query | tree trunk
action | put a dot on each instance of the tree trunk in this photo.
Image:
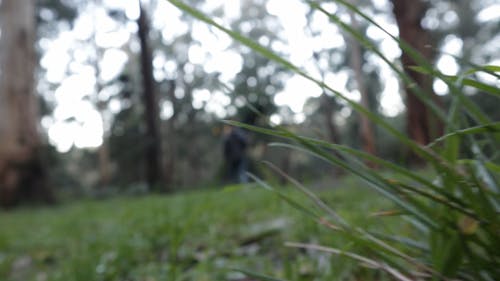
(22, 173)
(422, 126)
(366, 128)
(329, 114)
(104, 159)
(169, 137)
(333, 133)
(153, 137)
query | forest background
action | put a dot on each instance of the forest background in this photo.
(100, 99)
(133, 97)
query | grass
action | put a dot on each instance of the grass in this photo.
(455, 212)
(200, 235)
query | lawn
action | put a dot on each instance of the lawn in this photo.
(199, 235)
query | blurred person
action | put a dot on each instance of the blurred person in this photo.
(235, 144)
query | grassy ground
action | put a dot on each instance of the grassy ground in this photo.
(199, 236)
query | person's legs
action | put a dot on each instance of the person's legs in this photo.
(242, 171)
(232, 172)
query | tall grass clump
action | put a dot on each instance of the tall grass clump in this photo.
(454, 217)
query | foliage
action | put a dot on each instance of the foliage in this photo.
(188, 113)
(455, 233)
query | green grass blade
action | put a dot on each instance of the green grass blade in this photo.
(481, 165)
(415, 55)
(257, 275)
(322, 205)
(461, 79)
(274, 57)
(482, 87)
(235, 35)
(386, 164)
(374, 181)
(405, 241)
(492, 167)
(418, 91)
(493, 127)
(372, 263)
(366, 238)
(286, 198)
(460, 208)
(490, 69)
(355, 234)
(387, 188)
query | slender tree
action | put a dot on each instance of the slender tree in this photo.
(150, 100)
(366, 128)
(329, 108)
(422, 126)
(22, 173)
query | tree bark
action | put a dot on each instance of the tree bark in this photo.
(366, 128)
(22, 173)
(153, 137)
(327, 103)
(422, 126)
(329, 114)
(169, 137)
(104, 159)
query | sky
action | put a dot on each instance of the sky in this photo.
(72, 51)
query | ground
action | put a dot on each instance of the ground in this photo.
(200, 235)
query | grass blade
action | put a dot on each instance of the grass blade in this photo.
(493, 127)
(257, 275)
(372, 263)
